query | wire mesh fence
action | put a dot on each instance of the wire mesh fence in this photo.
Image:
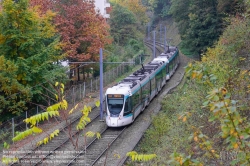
(74, 94)
(9, 128)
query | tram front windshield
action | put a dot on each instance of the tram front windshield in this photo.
(115, 104)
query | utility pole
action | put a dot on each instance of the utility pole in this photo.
(101, 85)
(148, 31)
(154, 46)
(160, 34)
(165, 40)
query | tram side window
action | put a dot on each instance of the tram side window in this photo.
(153, 86)
(127, 108)
(145, 91)
(158, 76)
(167, 69)
(171, 65)
(135, 99)
(164, 72)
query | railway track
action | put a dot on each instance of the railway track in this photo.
(67, 134)
(92, 153)
(159, 48)
(87, 151)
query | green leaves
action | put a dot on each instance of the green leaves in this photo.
(47, 139)
(29, 41)
(10, 100)
(226, 111)
(92, 134)
(199, 24)
(182, 160)
(140, 157)
(6, 145)
(26, 133)
(97, 103)
(82, 122)
(33, 120)
(122, 22)
(7, 160)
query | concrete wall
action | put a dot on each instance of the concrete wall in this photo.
(102, 5)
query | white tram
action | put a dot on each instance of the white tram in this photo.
(125, 100)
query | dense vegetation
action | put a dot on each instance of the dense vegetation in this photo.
(127, 27)
(29, 47)
(200, 23)
(206, 120)
(35, 36)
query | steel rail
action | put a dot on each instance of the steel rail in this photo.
(57, 146)
(100, 141)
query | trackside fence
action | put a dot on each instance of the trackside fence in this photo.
(73, 94)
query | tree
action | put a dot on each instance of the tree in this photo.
(199, 23)
(161, 7)
(122, 23)
(28, 39)
(230, 6)
(43, 5)
(179, 11)
(204, 25)
(13, 95)
(83, 31)
(136, 7)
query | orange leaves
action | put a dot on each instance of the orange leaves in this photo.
(42, 5)
(196, 139)
(223, 91)
(81, 29)
(184, 116)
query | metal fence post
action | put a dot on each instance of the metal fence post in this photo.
(110, 76)
(91, 86)
(80, 91)
(84, 93)
(73, 95)
(112, 73)
(26, 115)
(117, 72)
(37, 111)
(13, 129)
(95, 84)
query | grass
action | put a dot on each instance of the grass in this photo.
(168, 132)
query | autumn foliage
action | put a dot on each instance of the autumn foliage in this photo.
(82, 31)
(136, 7)
(42, 5)
(29, 45)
